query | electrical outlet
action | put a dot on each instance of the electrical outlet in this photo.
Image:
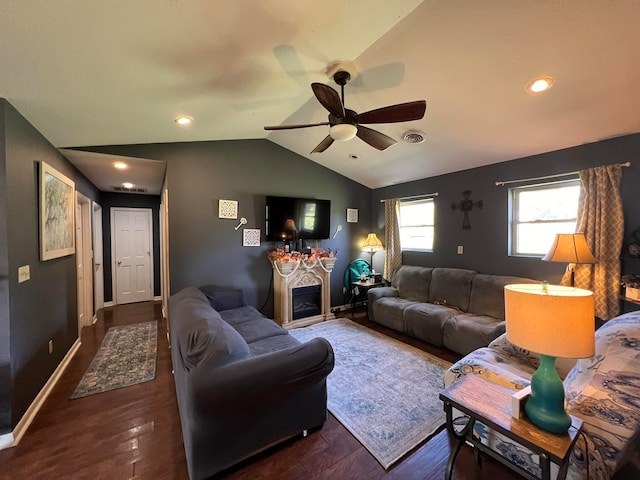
(50, 347)
(460, 249)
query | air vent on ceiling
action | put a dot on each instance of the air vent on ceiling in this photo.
(129, 190)
(413, 136)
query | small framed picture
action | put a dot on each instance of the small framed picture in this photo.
(228, 209)
(251, 237)
(352, 215)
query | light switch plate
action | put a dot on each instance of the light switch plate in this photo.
(460, 249)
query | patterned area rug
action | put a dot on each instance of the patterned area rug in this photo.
(126, 357)
(383, 391)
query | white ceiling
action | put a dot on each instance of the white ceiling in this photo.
(93, 72)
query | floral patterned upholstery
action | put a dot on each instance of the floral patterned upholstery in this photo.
(604, 391)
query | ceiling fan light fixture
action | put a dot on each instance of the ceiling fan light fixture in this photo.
(343, 131)
(540, 84)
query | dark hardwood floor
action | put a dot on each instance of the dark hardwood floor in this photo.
(134, 432)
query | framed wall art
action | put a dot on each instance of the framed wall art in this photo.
(228, 209)
(57, 207)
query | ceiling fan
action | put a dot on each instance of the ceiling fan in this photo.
(345, 124)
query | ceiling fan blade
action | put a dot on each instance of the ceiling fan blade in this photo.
(323, 145)
(374, 138)
(329, 99)
(290, 127)
(403, 112)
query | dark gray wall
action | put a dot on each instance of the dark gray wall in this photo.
(45, 307)
(486, 244)
(129, 200)
(205, 249)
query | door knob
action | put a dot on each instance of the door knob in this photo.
(119, 262)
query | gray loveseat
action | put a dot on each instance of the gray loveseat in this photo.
(243, 383)
(456, 308)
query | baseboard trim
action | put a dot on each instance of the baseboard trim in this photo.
(12, 439)
(108, 304)
(157, 298)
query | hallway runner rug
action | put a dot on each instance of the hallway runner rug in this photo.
(383, 391)
(127, 356)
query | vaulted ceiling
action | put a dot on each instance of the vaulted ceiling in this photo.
(93, 72)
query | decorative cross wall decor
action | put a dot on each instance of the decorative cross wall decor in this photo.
(466, 205)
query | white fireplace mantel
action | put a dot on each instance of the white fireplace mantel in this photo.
(290, 275)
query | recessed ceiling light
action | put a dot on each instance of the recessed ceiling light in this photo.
(540, 84)
(183, 120)
(120, 165)
(128, 185)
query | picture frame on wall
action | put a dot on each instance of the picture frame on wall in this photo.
(57, 213)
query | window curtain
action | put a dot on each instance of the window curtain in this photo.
(393, 252)
(601, 219)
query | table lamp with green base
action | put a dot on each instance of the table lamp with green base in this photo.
(553, 321)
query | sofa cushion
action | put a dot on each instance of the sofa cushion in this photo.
(425, 321)
(451, 286)
(224, 298)
(412, 282)
(463, 333)
(272, 344)
(389, 311)
(251, 324)
(487, 294)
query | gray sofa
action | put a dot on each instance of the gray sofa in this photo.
(242, 382)
(456, 308)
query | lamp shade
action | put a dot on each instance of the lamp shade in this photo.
(550, 320)
(570, 248)
(372, 243)
(290, 225)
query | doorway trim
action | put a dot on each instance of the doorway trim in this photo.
(84, 254)
(98, 261)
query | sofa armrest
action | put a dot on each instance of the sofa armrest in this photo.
(232, 412)
(376, 293)
(251, 385)
(492, 366)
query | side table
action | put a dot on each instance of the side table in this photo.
(364, 287)
(490, 404)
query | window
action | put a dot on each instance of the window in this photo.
(416, 224)
(539, 212)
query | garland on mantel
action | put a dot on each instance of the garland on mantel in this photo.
(318, 256)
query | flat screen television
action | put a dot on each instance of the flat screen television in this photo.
(311, 218)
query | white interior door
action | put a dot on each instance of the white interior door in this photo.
(98, 268)
(131, 253)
